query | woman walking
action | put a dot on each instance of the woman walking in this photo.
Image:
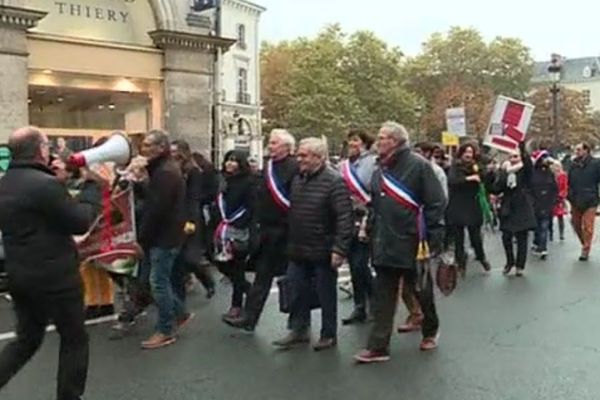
(464, 209)
(232, 235)
(517, 216)
(560, 210)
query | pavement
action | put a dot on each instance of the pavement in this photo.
(505, 338)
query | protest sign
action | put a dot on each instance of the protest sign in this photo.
(508, 124)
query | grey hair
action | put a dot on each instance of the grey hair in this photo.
(160, 138)
(286, 137)
(316, 146)
(396, 130)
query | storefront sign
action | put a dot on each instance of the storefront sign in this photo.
(121, 21)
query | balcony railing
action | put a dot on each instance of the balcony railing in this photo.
(243, 98)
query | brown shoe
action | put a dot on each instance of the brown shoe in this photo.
(324, 344)
(413, 323)
(430, 343)
(157, 341)
(371, 356)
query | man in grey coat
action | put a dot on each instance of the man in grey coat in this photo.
(405, 190)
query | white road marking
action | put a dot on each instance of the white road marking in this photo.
(52, 328)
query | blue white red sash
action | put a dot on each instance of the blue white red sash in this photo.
(393, 188)
(357, 188)
(277, 191)
(226, 221)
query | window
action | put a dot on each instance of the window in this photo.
(243, 95)
(241, 36)
(587, 97)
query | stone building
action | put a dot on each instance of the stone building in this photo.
(83, 68)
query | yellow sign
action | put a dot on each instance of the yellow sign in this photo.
(119, 21)
(449, 139)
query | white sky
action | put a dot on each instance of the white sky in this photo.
(569, 28)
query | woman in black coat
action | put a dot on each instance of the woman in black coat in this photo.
(463, 206)
(517, 216)
(232, 237)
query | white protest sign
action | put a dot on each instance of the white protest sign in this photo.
(508, 124)
(456, 122)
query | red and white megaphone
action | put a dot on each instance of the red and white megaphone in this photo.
(116, 149)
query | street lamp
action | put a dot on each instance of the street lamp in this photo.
(418, 114)
(554, 70)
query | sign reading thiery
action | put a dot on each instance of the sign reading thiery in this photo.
(509, 123)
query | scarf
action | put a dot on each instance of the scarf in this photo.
(511, 170)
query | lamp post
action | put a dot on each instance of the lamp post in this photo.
(554, 70)
(418, 114)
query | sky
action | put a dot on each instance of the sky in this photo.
(570, 28)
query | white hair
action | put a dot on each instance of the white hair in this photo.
(396, 130)
(286, 137)
(316, 146)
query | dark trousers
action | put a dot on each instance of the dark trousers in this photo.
(476, 242)
(181, 272)
(362, 279)
(270, 262)
(301, 277)
(235, 271)
(34, 312)
(541, 233)
(387, 283)
(561, 227)
(507, 242)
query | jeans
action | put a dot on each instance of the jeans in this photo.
(362, 279)
(301, 275)
(541, 233)
(386, 299)
(476, 242)
(34, 312)
(170, 306)
(507, 242)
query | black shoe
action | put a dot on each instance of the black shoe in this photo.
(240, 323)
(292, 339)
(358, 316)
(584, 257)
(520, 271)
(325, 343)
(486, 265)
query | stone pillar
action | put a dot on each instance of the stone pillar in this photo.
(14, 22)
(188, 88)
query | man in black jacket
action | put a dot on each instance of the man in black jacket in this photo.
(272, 208)
(584, 177)
(407, 197)
(320, 233)
(38, 219)
(545, 196)
(162, 235)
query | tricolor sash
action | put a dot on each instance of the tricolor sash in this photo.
(276, 189)
(357, 188)
(226, 220)
(394, 189)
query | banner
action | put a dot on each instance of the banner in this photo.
(121, 258)
(456, 122)
(450, 139)
(508, 124)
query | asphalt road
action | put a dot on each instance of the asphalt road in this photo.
(527, 338)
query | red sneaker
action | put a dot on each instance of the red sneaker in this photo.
(371, 357)
(430, 343)
(413, 323)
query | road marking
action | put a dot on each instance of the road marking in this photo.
(52, 328)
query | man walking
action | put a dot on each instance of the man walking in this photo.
(162, 235)
(408, 205)
(584, 177)
(272, 208)
(38, 219)
(320, 232)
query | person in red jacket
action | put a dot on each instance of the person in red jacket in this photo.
(560, 210)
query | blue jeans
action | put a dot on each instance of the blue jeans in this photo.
(170, 306)
(541, 233)
(301, 276)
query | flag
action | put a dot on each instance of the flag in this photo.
(202, 5)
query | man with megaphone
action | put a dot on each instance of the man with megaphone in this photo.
(38, 219)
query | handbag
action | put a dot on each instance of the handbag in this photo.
(447, 274)
(285, 294)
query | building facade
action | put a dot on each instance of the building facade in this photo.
(84, 68)
(579, 74)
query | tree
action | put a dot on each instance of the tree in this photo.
(461, 69)
(575, 122)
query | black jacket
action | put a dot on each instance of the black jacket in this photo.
(239, 192)
(164, 213)
(516, 208)
(320, 218)
(584, 177)
(268, 213)
(544, 190)
(38, 219)
(394, 231)
(463, 207)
